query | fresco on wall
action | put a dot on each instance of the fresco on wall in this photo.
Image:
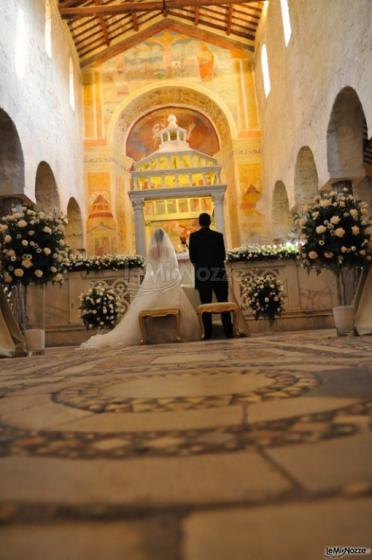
(101, 224)
(252, 222)
(168, 55)
(144, 137)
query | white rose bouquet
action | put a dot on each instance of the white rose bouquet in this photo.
(334, 233)
(32, 247)
(265, 296)
(99, 308)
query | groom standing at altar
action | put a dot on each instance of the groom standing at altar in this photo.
(207, 254)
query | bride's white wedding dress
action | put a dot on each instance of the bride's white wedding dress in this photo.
(161, 287)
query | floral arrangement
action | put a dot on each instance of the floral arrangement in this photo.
(265, 296)
(334, 235)
(99, 308)
(32, 245)
(108, 262)
(263, 252)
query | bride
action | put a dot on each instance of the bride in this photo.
(161, 287)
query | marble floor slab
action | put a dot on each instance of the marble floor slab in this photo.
(250, 449)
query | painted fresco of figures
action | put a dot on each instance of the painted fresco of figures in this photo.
(206, 63)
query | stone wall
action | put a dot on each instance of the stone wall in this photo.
(308, 304)
(63, 323)
(309, 298)
(34, 94)
(330, 49)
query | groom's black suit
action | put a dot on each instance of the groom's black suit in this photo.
(207, 254)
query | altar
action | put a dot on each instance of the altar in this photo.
(172, 186)
(187, 278)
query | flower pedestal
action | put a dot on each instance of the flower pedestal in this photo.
(34, 328)
(344, 319)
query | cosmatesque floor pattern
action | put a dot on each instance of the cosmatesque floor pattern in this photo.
(256, 448)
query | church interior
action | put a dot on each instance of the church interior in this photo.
(126, 116)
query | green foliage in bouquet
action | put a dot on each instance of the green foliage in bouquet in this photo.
(99, 308)
(265, 296)
(33, 248)
(334, 235)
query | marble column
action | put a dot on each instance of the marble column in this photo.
(139, 224)
(218, 199)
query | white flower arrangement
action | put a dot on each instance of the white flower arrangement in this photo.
(335, 234)
(99, 308)
(108, 262)
(41, 260)
(263, 252)
(265, 296)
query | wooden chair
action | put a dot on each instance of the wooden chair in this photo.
(219, 307)
(160, 312)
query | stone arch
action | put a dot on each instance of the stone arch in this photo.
(345, 136)
(306, 178)
(171, 95)
(74, 228)
(46, 190)
(280, 215)
(12, 168)
(139, 138)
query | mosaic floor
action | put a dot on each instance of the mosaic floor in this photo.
(251, 449)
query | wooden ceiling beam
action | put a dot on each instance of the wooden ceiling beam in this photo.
(212, 25)
(197, 15)
(135, 21)
(244, 24)
(93, 46)
(126, 44)
(229, 14)
(247, 12)
(78, 24)
(102, 24)
(85, 40)
(172, 25)
(130, 7)
(209, 15)
(68, 3)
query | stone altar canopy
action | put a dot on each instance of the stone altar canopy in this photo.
(190, 178)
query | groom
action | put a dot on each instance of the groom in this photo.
(207, 254)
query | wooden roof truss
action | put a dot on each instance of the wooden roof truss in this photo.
(103, 28)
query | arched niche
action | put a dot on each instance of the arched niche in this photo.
(46, 191)
(12, 174)
(171, 96)
(144, 136)
(74, 228)
(345, 136)
(306, 178)
(281, 217)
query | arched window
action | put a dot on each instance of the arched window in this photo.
(71, 84)
(48, 29)
(20, 46)
(287, 28)
(265, 70)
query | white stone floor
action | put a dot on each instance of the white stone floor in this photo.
(249, 449)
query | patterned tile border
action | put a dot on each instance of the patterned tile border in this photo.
(309, 429)
(89, 396)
